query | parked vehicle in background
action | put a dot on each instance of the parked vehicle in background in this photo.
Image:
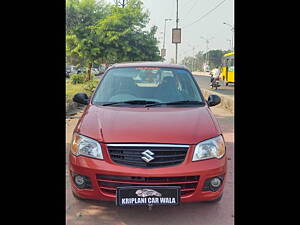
(70, 69)
(101, 70)
(81, 70)
(147, 130)
(95, 71)
(227, 73)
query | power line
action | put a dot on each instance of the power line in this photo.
(205, 14)
(188, 13)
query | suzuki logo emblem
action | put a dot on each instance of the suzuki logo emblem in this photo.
(147, 156)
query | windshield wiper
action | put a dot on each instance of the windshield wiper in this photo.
(186, 102)
(133, 102)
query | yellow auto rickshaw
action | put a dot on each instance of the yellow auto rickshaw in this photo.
(227, 70)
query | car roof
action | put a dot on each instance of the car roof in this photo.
(148, 63)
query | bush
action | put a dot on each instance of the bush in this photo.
(90, 86)
(77, 79)
(71, 90)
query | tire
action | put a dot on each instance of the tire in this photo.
(226, 84)
(215, 200)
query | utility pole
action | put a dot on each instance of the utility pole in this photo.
(230, 47)
(176, 28)
(207, 52)
(194, 59)
(232, 30)
(176, 34)
(193, 62)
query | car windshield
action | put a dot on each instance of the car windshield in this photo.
(143, 85)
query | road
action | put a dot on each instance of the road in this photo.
(106, 213)
(204, 82)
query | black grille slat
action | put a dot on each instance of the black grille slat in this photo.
(109, 183)
(161, 149)
(132, 155)
(150, 163)
(139, 155)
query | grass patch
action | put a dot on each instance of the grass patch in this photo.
(72, 89)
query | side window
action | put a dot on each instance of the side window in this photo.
(231, 66)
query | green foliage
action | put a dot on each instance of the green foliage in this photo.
(77, 78)
(90, 86)
(81, 41)
(72, 89)
(122, 32)
(215, 59)
(103, 33)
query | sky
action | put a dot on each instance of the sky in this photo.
(210, 27)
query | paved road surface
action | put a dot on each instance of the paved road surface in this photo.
(204, 82)
(106, 213)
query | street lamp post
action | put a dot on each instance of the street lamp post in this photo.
(232, 30)
(193, 61)
(207, 53)
(230, 47)
(177, 20)
(165, 31)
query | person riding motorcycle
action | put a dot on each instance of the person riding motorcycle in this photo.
(214, 78)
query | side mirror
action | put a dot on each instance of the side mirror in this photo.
(81, 98)
(213, 100)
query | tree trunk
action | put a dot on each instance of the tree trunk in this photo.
(90, 70)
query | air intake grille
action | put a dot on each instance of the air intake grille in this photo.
(108, 184)
(159, 155)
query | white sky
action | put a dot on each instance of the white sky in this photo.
(211, 26)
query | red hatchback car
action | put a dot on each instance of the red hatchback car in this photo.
(147, 137)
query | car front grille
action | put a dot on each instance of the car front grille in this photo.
(108, 184)
(163, 154)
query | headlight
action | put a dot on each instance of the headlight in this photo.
(86, 146)
(212, 148)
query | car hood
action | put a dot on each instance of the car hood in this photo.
(177, 125)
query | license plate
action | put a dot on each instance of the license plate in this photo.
(148, 195)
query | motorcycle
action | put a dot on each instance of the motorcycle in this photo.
(215, 82)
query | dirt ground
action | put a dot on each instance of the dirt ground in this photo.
(106, 213)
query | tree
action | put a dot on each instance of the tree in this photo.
(123, 35)
(82, 40)
(215, 57)
(188, 62)
(105, 33)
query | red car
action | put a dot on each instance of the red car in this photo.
(138, 133)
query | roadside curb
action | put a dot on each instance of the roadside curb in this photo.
(227, 102)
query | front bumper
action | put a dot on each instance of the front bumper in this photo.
(91, 167)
